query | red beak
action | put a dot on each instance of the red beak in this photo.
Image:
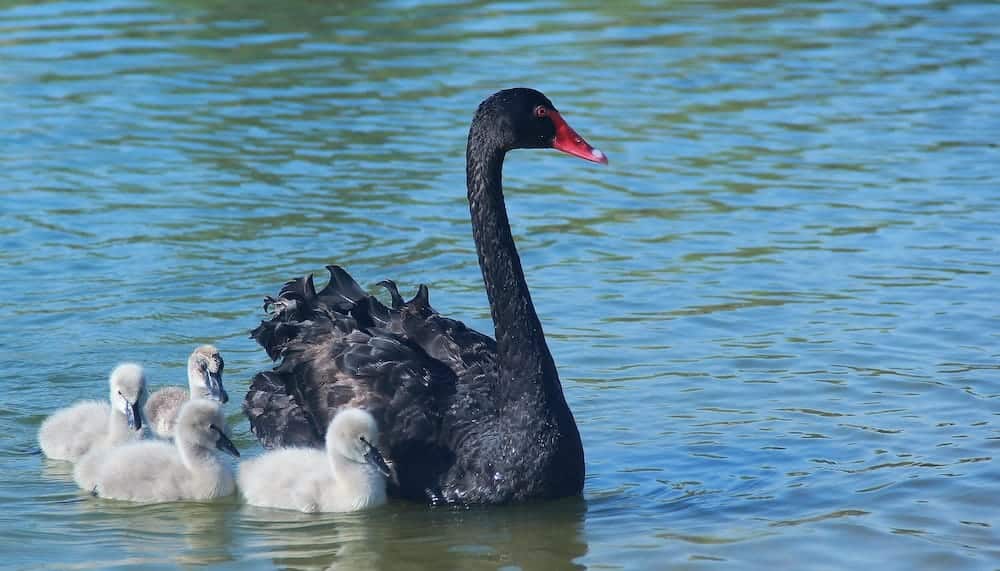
(567, 141)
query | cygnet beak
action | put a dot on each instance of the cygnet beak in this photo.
(132, 413)
(374, 457)
(213, 380)
(224, 443)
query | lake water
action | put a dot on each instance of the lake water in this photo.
(775, 312)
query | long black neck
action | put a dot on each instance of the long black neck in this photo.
(527, 371)
(525, 361)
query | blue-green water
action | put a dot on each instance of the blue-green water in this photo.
(775, 312)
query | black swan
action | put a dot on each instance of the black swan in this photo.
(465, 419)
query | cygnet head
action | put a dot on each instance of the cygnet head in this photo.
(205, 374)
(353, 434)
(201, 424)
(128, 392)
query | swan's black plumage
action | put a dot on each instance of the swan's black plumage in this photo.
(464, 418)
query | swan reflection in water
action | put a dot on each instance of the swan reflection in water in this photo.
(402, 536)
(176, 533)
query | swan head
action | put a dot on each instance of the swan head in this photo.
(200, 423)
(353, 434)
(128, 392)
(205, 374)
(524, 118)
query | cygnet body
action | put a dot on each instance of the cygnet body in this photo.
(70, 433)
(158, 471)
(204, 371)
(349, 475)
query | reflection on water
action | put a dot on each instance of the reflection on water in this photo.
(774, 312)
(410, 537)
(187, 533)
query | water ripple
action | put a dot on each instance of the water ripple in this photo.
(774, 312)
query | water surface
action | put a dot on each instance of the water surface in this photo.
(774, 312)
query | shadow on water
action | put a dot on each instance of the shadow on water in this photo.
(405, 536)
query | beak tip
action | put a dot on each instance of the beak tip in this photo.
(225, 444)
(599, 156)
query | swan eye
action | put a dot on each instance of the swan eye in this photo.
(541, 111)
